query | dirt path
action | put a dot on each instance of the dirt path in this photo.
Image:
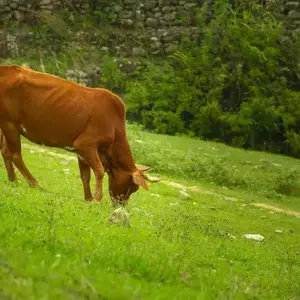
(210, 192)
(197, 189)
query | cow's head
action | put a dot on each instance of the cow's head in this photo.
(123, 183)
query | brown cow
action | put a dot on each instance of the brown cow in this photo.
(55, 112)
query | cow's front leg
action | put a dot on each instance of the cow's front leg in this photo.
(90, 155)
(85, 174)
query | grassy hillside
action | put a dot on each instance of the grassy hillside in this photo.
(54, 245)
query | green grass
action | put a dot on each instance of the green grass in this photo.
(54, 245)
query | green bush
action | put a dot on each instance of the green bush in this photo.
(287, 183)
(111, 75)
(214, 163)
(237, 83)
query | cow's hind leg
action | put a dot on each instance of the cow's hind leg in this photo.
(85, 174)
(9, 166)
(7, 158)
(12, 136)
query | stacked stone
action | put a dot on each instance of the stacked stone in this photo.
(20, 9)
(78, 76)
(293, 8)
(81, 6)
(160, 25)
(288, 11)
(8, 45)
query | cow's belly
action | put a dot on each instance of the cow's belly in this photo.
(54, 132)
(54, 119)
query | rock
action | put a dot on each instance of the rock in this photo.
(126, 14)
(167, 9)
(255, 237)
(184, 276)
(138, 51)
(279, 16)
(120, 217)
(169, 17)
(151, 22)
(22, 8)
(128, 67)
(18, 15)
(3, 2)
(296, 31)
(104, 49)
(292, 5)
(127, 22)
(150, 5)
(45, 2)
(45, 12)
(157, 52)
(48, 7)
(184, 195)
(154, 39)
(163, 23)
(138, 14)
(171, 49)
(117, 8)
(67, 171)
(155, 45)
(168, 39)
(155, 195)
(293, 14)
(231, 236)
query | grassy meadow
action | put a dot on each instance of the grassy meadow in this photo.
(56, 246)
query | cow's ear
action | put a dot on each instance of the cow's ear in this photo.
(139, 179)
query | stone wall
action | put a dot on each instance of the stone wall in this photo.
(154, 27)
(288, 11)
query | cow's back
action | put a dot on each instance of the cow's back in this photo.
(55, 111)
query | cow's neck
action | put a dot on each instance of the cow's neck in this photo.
(121, 154)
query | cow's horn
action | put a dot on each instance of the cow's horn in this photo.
(151, 179)
(142, 167)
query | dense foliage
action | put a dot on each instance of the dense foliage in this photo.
(238, 83)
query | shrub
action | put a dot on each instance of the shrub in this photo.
(234, 83)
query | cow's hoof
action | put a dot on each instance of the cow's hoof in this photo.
(36, 185)
(94, 201)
